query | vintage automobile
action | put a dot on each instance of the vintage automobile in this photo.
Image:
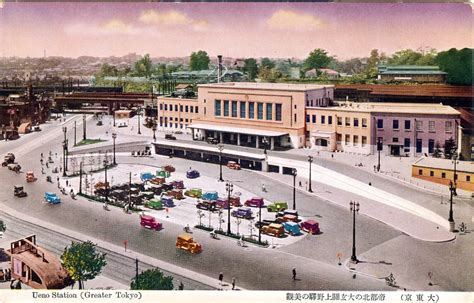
(167, 186)
(186, 242)
(176, 194)
(170, 137)
(210, 195)
(119, 194)
(169, 168)
(273, 229)
(287, 212)
(167, 201)
(101, 185)
(14, 167)
(212, 140)
(37, 128)
(292, 228)
(30, 177)
(8, 159)
(163, 173)
(207, 205)
(51, 198)
(242, 212)
(154, 204)
(222, 203)
(146, 176)
(277, 206)
(310, 226)
(194, 193)
(254, 202)
(233, 165)
(178, 184)
(147, 195)
(157, 190)
(287, 216)
(264, 223)
(150, 222)
(234, 202)
(157, 180)
(192, 174)
(99, 123)
(19, 192)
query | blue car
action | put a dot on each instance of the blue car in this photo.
(51, 198)
(192, 174)
(210, 195)
(292, 228)
(146, 176)
(167, 201)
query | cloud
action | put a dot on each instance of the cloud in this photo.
(292, 20)
(172, 18)
(110, 27)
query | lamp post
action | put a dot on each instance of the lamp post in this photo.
(260, 223)
(84, 135)
(138, 114)
(64, 151)
(75, 142)
(153, 128)
(310, 160)
(220, 147)
(80, 178)
(229, 187)
(455, 161)
(452, 190)
(379, 148)
(294, 173)
(114, 136)
(354, 207)
(106, 184)
(265, 144)
(113, 116)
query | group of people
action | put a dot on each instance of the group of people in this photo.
(221, 279)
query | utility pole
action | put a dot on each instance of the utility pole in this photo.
(75, 124)
(310, 160)
(84, 136)
(294, 172)
(136, 270)
(130, 190)
(354, 207)
(229, 187)
(379, 148)
(80, 178)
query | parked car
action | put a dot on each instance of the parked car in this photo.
(310, 226)
(254, 202)
(99, 123)
(273, 229)
(163, 173)
(212, 140)
(37, 128)
(157, 180)
(242, 212)
(194, 193)
(277, 206)
(157, 190)
(101, 185)
(192, 174)
(210, 195)
(14, 167)
(186, 242)
(167, 201)
(287, 216)
(207, 205)
(8, 159)
(287, 212)
(234, 202)
(170, 137)
(176, 194)
(146, 176)
(30, 177)
(264, 223)
(51, 198)
(233, 165)
(147, 195)
(167, 186)
(169, 168)
(222, 203)
(154, 204)
(178, 184)
(19, 192)
(150, 222)
(292, 228)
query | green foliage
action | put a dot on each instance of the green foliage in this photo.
(411, 57)
(107, 70)
(317, 59)
(267, 63)
(458, 64)
(269, 75)
(82, 262)
(143, 67)
(199, 60)
(371, 70)
(437, 150)
(3, 226)
(251, 68)
(449, 148)
(152, 279)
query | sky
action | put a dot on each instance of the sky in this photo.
(276, 30)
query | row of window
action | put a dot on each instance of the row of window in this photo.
(180, 108)
(181, 126)
(355, 139)
(176, 119)
(246, 110)
(448, 125)
(443, 175)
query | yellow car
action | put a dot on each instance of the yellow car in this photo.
(186, 242)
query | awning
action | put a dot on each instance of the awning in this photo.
(238, 130)
(320, 134)
(24, 128)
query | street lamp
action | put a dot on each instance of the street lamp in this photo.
(293, 173)
(113, 115)
(354, 207)
(455, 177)
(64, 150)
(260, 223)
(379, 148)
(310, 160)
(153, 128)
(84, 135)
(114, 136)
(106, 184)
(265, 144)
(452, 190)
(220, 147)
(229, 187)
(138, 114)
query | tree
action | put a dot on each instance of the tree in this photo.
(317, 59)
(267, 63)
(199, 60)
(251, 68)
(371, 70)
(82, 262)
(437, 150)
(449, 148)
(410, 57)
(143, 67)
(152, 279)
(458, 64)
(269, 75)
(107, 70)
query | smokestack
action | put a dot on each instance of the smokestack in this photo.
(219, 68)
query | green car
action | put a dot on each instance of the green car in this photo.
(277, 206)
(163, 173)
(154, 204)
(194, 193)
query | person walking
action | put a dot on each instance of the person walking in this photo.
(293, 271)
(181, 286)
(375, 168)
(233, 283)
(221, 277)
(67, 183)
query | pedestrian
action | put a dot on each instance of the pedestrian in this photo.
(181, 285)
(375, 168)
(67, 183)
(293, 271)
(12, 286)
(47, 165)
(300, 184)
(370, 183)
(221, 277)
(41, 155)
(332, 156)
(233, 283)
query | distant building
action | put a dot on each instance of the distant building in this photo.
(411, 73)
(329, 73)
(295, 72)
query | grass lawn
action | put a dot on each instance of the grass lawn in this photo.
(90, 141)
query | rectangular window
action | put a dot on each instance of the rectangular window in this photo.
(338, 138)
(295, 118)
(242, 109)
(217, 107)
(234, 109)
(197, 110)
(186, 120)
(419, 125)
(431, 126)
(269, 111)
(161, 106)
(323, 119)
(364, 141)
(175, 107)
(308, 119)
(171, 107)
(443, 175)
(395, 124)
(251, 110)
(356, 122)
(278, 112)
(166, 106)
(395, 140)
(431, 144)
(330, 120)
(226, 108)
(468, 178)
(406, 143)
(192, 109)
(348, 139)
(260, 111)
(339, 121)
(407, 124)
(419, 144)
(356, 140)
(431, 173)
(176, 125)
(313, 118)
(364, 122)
(186, 109)
(180, 108)
(448, 126)
(420, 172)
(348, 121)
(380, 123)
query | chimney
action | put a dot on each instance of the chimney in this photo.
(219, 68)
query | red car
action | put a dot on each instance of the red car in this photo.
(150, 222)
(254, 202)
(169, 168)
(310, 226)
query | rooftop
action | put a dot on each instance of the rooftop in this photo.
(267, 86)
(386, 107)
(447, 164)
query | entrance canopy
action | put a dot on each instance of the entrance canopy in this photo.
(239, 130)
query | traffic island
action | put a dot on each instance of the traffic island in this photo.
(232, 235)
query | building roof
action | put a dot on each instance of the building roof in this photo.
(240, 130)
(446, 164)
(387, 107)
(267, 86)
(412, 72)
(328, 71)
